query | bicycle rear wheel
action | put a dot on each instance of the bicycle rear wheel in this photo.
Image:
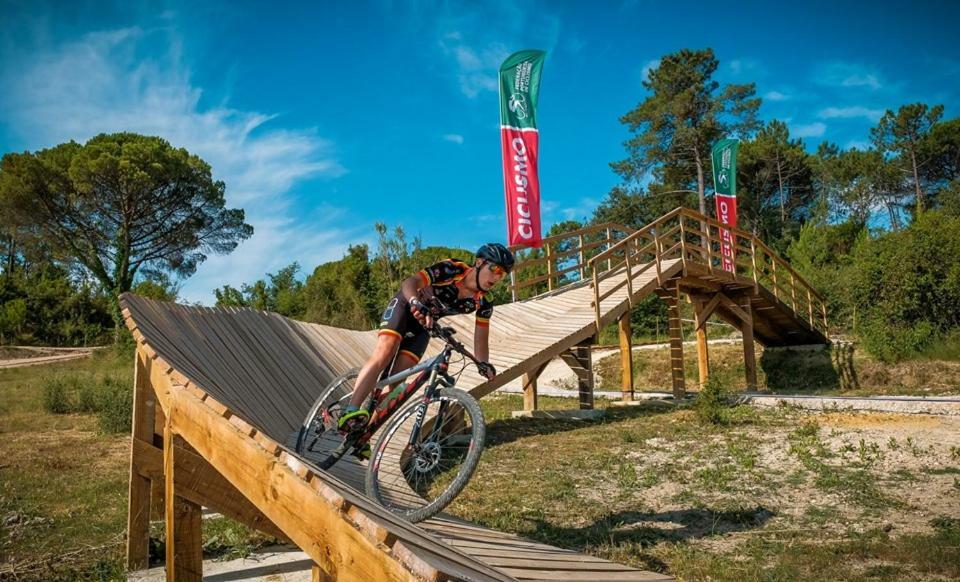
(416, 480)
(321, 420)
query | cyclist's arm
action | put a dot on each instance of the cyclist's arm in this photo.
(481, 342)
(412, 285)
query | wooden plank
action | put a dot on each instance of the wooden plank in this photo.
(138, 496)
(198, 482)
(703, 354)
(749, 355)
(317, 528)
(184, 548)
(676, 344)
(530, 387)
(626, 358)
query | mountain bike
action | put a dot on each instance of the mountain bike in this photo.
(426, 452)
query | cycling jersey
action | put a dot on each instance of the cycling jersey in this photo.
(442, 280)
(446, 278)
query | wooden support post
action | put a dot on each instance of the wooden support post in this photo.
(596, 300)
(683, 245)
(656, 252)
(550, 267)
(753, 261)
(138, 498)
(609, 244)
(626, 358)
(580, 361)
(776, 286)
(581, 258)
(670, 295)
(183, 519)
(749, 354)
(703, 354)
(529, 380)
(513, 286)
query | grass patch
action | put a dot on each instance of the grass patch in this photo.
(842, 369)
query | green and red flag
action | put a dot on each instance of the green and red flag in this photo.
(724, 158)
(520, 143)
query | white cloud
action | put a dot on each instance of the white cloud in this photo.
(101, 83)
(454, 138)
(815, 129)
(744, 66)
(842, 74)
(476, 68)
(476, 49)
(850, 112)
(776, 96)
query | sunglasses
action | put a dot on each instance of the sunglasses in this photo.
(497, 269)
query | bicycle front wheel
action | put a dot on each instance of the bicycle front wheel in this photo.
(417, 478)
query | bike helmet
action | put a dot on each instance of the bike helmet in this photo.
(497, 254)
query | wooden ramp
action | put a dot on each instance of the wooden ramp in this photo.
(220, 393)
(233, 386)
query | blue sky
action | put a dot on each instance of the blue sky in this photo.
(323, 118)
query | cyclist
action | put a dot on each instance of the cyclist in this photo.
(460, 288)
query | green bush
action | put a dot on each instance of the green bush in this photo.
(56, 397)
(907, 287)
(109, 397)
(713, 401)
(87, 393)
(115, 406)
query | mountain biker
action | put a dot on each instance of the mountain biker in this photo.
(461, 288)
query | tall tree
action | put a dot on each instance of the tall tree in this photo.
(124, 203)
(685, 114)
(902, 133)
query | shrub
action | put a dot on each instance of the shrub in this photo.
(115, 406)
(56, 397)
(712, 401)
(87, 393)
(907, 286)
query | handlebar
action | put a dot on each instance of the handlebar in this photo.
(446, 334)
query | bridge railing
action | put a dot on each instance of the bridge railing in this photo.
(562, 259)
(697, 239)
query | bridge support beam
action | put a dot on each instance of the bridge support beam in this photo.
(749, 354)
(183, 519)
(702, 313)
(580, 361)
(670, 294)
(138, 495)
(626, 358)
(530, 386)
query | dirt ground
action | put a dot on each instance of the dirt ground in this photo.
(866, 471)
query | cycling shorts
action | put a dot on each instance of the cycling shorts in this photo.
(398, 321)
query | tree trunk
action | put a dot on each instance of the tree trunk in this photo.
(916, 181)
(701, 187)
(701, 191)
(783, 212)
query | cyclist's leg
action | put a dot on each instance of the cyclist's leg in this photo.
(411, 350)
(393, 326)
(387, 344)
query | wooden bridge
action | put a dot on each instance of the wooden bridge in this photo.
(220, 391)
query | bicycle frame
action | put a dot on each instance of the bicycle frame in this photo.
(382, 408)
